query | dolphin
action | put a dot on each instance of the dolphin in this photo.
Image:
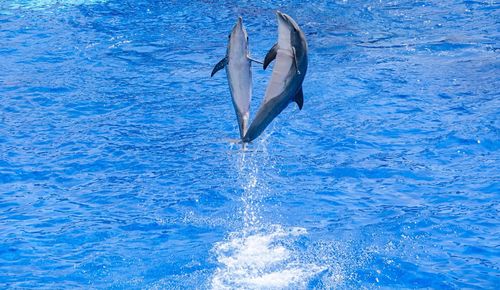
(237, 63)
(288, 74)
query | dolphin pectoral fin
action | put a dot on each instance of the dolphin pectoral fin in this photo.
(299, 98)
(271, 55)
(254, 60)
(295, 62)
(220, 65)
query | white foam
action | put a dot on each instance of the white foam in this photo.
(261, 255)
(258, 259)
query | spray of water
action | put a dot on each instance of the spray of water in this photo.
(261, 254)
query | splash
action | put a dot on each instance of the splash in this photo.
(261, 255)
(258, 258)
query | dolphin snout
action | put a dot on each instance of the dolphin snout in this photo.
(239, 23)
(283, 18)
(238, 26)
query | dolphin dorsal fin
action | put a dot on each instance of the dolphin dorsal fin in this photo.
(299, 98)
(271, 55)
(220, 65)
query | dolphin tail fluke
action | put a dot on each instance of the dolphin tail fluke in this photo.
(220, 65)
(271, 55)
(250, 134)
(243, 123)
(258, 125)
(299, 98)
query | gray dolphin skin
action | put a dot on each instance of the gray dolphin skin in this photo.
(288, 74)
(237, 63)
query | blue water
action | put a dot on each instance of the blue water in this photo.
(116, 170)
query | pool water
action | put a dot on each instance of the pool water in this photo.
(116, 169)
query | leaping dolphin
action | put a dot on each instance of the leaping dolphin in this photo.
(288, 74)
(237, 63)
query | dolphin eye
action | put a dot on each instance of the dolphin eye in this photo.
(229, 36)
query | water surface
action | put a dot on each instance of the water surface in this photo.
(116, 170)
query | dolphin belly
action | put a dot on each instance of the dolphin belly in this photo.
(281, 71)
(276, 98)
(240, 84)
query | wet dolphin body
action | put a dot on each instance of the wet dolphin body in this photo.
(237, 63)
(288, 74)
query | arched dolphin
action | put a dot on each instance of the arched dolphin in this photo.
(237, 63)
(288, 74)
